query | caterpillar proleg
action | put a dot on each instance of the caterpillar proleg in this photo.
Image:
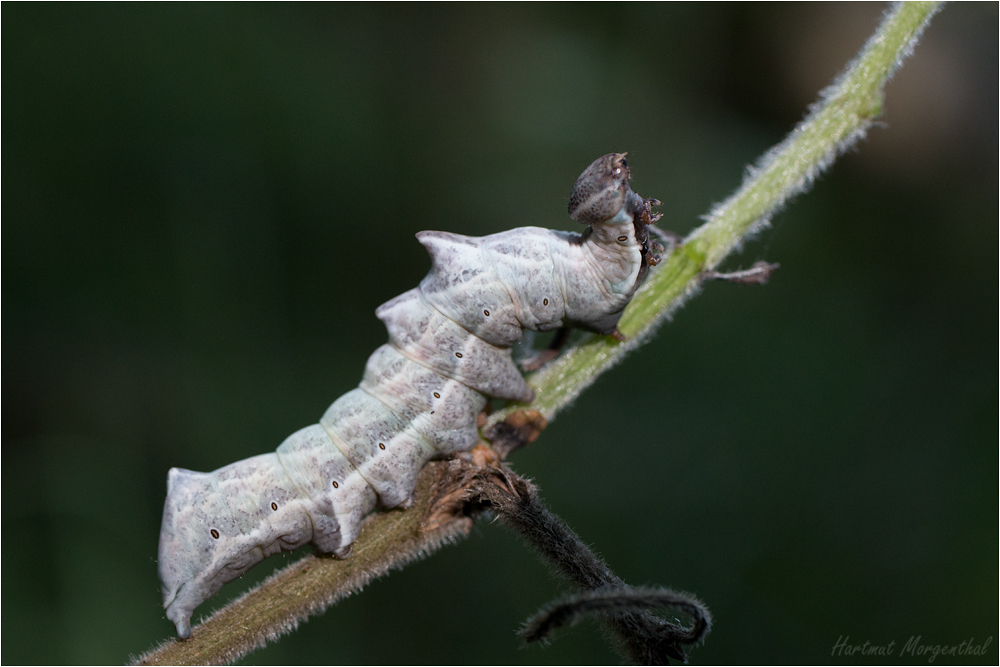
(449, 351)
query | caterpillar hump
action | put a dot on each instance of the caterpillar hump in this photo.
(449, 351)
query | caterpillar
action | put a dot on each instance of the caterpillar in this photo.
(449, 352)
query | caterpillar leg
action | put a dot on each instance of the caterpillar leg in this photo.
(550, 353)
(484, 415)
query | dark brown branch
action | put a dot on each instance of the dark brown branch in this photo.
(569, 610)
(643, 637)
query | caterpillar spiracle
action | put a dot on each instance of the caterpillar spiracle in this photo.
(449, 350)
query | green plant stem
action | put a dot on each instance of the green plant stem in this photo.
(845, 110)
(843, 113)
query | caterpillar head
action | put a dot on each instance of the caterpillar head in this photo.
(602, 191)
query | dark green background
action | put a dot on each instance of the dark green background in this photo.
(203, 205)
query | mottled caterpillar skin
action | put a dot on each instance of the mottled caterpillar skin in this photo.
(448, 351)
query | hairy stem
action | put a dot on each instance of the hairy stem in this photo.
(390, 540)
(841, 116)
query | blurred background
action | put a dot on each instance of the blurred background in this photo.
(204, 205)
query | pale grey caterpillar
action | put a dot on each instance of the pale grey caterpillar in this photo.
(449, 351)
